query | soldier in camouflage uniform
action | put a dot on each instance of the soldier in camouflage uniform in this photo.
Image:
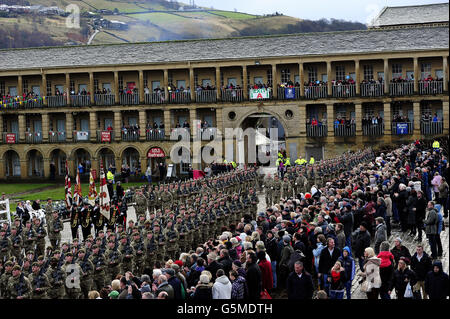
(160, 241)
(4, 278)
(40, 237)
(138, 246)
(152, 198)
(166, 198)
(301, 183)
(73, 289)
(19, 286)
(87, 272)
(29, 236)
(127, 252)
(16, 240)
(57, 279)
(276, 190)
(150, 248)
(268, 185)
(172, 236)
(55, 226)
(100, 263)
(5, 245)
(182, 230)
(40, 284)
(141, 203)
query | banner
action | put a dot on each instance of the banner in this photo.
(289, 93)
(104, 200)
(10, 138)
(155, 152)
(68, 189)
(402, 128)
(92, 195)
(82, 136)
(106, 136)
(259, 94)
(77, 196)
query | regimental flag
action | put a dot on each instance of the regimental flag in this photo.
(289, 93)
(92, 191)
(77, 196)
(104, 195)
(68, 189)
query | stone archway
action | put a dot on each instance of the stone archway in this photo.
(130, 156)
(12, 164)
(35, 163)
(57, 159)
(82, 160)
(107, 157)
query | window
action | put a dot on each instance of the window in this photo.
(170, 78)
(425, 70)
(439, 74)
(312, 74)
(155, 85)
(397, 110)
(95, 85)
(396, 70)
(269, 77)
(120, 84)
(340, 73)
(49, 88)
(72, 86)
(296, 79)
(25, 85)
(196, 79)
(285, 75)
(258, 80)
(368, 72)
(2, 88)
(369, 112)
(145, 83)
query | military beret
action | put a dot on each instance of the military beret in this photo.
(130, 221)
(82, 251)
(148, 232)
(69, 254)
(41, 258)
(123, 236)
(17, 267)
(9, 263)
(35, 264)
(95, 247)
(57, 252)
(54, 259)
(147, 222)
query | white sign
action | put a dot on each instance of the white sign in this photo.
(259, 94)
(82, 136)
(5, 214)
(170, 170)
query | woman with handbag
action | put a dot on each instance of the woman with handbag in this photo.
(372, 280)
(404, 280)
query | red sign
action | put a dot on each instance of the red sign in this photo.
(155, 152)
(106, 136)
(10, 138)
(94, 173)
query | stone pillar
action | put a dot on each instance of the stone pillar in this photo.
(445, 115)
(19, 84)
(116, 87)
(416, 110)
(192, 118)
(192, 84)
(167, 122)
(416, 75)
(141, 87)
(45, 127)
(301, 78)
(142, 124)
(445, 72)
(244, 80)
(69, 102)
(117, 126)
(46, 167)
(329, 81)
(302, 118)
(387, 119)
(219, 121)
(22, 127)
(69, 126)
(91, 86)
(2, 169)
(144, 163)
(358, 119)
(218, 84)
(44, 87)
(386, 76)
(93, 127)
(23, 168)
(357, 79)
(274, 81)
(330, 119)
(95, 165)
(166, 83)
(1, 128)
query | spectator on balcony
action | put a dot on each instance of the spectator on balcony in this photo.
(109, 128)
(314, 122)
(336, 123)
(435, 118)
(186, 124)
(146, 90)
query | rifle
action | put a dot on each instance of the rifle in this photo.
(19, 287)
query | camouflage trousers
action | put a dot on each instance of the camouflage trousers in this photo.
(86, 285)
(99, 280)
(73, 293)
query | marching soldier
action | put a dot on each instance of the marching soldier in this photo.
(57, 279)
(4, 278)
(39, 282)
(5, 245)
(276, 190)
(140, 203)
(19, 286)
(87, 272)
(166, 198)
(160, 240)
(29, 236)
(150, 247)
(301, 183)
(40, 232)
(99, 262)
(48, 209)
(98, 218)
(127, 252)
(74, 220)
(151, 199)
(268, 185)
(16, 240)
(114, 261)
(172, 237)
(73, 291)
(86, 214)
(138, 247)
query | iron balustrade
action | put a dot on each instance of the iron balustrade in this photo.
(316, 92)
(155, 98)
(431, 87)
(206, 96)
(345, 129)
(56, 101)
(100, 136)
(431, 128)
(319, 130)
(155, 134)
(129, 135)
(207, 134)
(80, 100)
(33, 137)
(81, 136)
(373, 129)
(344, 90)
(372, 89)
(283, 96)
(180, 97)
(400, 128)
(56, 136)
(232, 95)
(104, 99)
(401, 88)
(129, 99)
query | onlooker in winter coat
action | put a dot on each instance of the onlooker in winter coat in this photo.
(337, 280)
(400, 251)
(272, 251)
(321, 243)
(361, 240)
(222, 286)
(386, 270)
(328, 258)
(421, 265)
(380, 233)
(238, 286)
(371, 273)
(266, 271)
(203, 290)
(254, 277)
(299, 283)
(431, 228)
(340, 235)
(402, 276)
(436, 282)
(348, 264)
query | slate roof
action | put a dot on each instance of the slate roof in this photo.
(309, 44)
(408, 15)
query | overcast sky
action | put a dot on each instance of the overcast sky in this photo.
(353, 10)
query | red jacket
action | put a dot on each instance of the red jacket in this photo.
(386, 258)
(266, 274)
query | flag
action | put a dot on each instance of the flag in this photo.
(68, 189)
(92, 191)
(77, 196)
(104, 194)
(289, 93)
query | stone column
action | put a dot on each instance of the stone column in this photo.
(192, 119)
(357, 79)
(416, 110)
(445, 114)
(302, 121)
(274, 81)
(142, 124)
(69, 102)
(244, 80)
(93, 127)
(44, 87)
(166, 83)
(117, 126)
(386, 76)
(69, 126)
(192, 84)
(46, 167)
(416, 75)
(387, 119)
(19, 84)
(23, 168)
(219, 121)
(358, 119)
(91, 87)
(167, 122)
(301, 78)
(445, 72)
(116, 87)
(141, 87)
(218, 84)
(2, 169)
(22, 127)
(45, 127)
(330, 119)
(329, 81)
(1, 128)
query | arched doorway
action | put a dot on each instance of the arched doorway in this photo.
(208, 155)
(131, 157)
(156, 160)
(107, 157)
(58, 159)
(266, 133)
(35, 164)
(182, 158)
(12, 164)
(82, 159)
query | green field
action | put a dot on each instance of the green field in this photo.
(19, 188)
(233, 15)
(158, 17)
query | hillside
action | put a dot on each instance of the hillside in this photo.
(143, 20)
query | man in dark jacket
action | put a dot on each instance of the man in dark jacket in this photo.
(272, 250)
(361, 240)
(421, 265)
(436, 282)
(328, 258)
(253, 277)
(402, 276)
(213, 265)
(431, 228)
(174, 282)
(163, 285)
(225, 260)
(299, 283)
(347, 221)
(400, 251)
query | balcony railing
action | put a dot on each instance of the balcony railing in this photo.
(155, 134)
(206, 96)
(319, 130)
(33, 103)
(402, 128)
(10, 138)
(344, 129)
(130, 135)
(56, 136)
(232, 95)
(104, 99)
(260, 94)
(342, 91)
(56, 101)
(207, 134)
(129, 99)
(180, 97)
(431, 128)
(373, 129)
(81, 136)
(80, 100)
(431, 87)
(155, 98)
(35, 137)
(372, 89)
(288, 93)
(316, 92)
(178, 134)
(401, 88)
(105, 136)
